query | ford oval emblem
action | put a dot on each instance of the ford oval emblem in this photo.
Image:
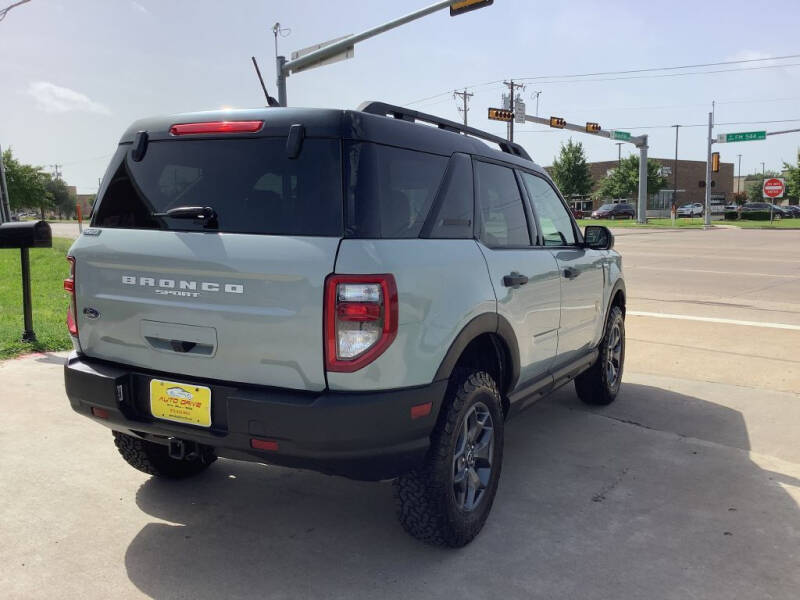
(91, 313)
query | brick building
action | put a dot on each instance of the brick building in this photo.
(690, 174)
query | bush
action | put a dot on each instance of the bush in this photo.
(731, 215)
(756, 215)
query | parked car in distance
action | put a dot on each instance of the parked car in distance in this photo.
(731, 207)
(620, 210)
(783, 211)
(691, 210)
(778, 212)
(794, 209)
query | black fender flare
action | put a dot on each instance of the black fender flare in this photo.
(484, 323)
(619, 285)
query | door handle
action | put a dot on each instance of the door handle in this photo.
(514, 280)
(571, 273)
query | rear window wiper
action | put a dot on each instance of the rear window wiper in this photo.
(201, 213)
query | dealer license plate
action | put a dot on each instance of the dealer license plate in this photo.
(180, 402)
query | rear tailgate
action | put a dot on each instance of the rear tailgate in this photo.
(232, 307)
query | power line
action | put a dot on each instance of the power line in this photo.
(668, 126)
(7, 9)
(539, 78)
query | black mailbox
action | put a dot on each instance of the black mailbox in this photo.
(26, 234)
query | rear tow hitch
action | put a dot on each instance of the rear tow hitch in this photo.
(186, 450)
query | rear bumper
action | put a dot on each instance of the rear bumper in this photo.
(364, 435)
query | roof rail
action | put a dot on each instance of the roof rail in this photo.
(406, 114)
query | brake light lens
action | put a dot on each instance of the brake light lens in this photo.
(216, 127)
(360, 319)
(72, 310)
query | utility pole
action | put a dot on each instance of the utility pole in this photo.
(512, 87)
(739, 178)
(707, 211)
(5, 208)
(619, 154)
(465, 96)
(56, 170)
(675, 170)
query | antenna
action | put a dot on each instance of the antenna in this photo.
(270, 100)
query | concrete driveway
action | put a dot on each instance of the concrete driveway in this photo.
(681, 489)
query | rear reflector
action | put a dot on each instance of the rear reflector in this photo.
(100, 413)
(421, 410)
(216, 127)
(271, 445)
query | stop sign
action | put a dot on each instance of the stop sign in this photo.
(774, 188)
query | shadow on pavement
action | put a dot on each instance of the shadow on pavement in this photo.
(592, 504)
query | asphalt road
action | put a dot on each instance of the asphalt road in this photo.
(687, 487)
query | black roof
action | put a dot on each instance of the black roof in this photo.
(348, 124)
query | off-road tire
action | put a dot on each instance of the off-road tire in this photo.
(593, 386)
(426, 502)
(154, 459)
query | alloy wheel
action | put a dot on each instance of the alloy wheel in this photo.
(472, 459)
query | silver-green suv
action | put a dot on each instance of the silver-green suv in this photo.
(366, 293)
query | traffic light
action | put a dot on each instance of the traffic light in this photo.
(500, 114)
(457, 8)
(558, 122)
(593, 127)
(715, 162)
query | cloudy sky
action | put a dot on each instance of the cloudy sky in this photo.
(75, 73)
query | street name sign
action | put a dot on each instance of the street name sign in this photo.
(620, 135)
(774, 187)
(742, 136)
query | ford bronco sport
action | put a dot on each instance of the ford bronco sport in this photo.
(366, 293)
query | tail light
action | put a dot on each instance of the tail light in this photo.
(72, 311)
(360, 319)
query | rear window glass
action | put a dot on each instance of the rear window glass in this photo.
(388, 190)
(250, 183)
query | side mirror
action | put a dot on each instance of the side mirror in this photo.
(598, 237)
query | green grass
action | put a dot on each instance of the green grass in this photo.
(695, 223)
(48, 270)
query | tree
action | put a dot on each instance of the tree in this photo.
(792, 175)
(623, 182)
(27, 185)
(570, 171)
(62, 200)
(755, 183)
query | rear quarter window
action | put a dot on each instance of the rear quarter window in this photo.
(389, 191)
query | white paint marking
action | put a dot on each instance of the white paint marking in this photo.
(736, 273)
(639, 313)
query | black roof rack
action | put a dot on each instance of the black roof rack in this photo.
(406, 114)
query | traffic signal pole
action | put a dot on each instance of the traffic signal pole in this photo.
(330, 50)
(707, 211)
(640, 141)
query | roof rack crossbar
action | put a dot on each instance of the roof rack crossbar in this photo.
(406, 114)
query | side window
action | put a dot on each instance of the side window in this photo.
(554, 220)
(456, 202)
(503, 222)
(389, 191)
